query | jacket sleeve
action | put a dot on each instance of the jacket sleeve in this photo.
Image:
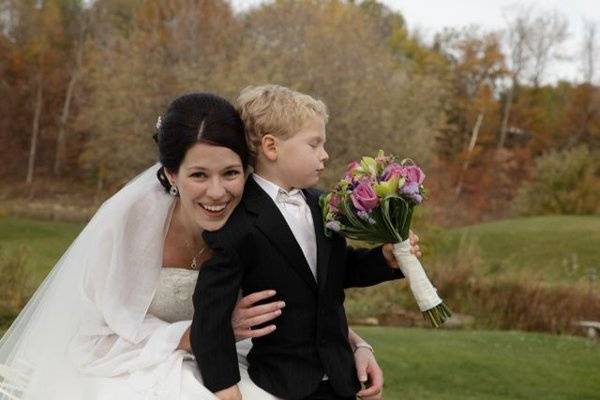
(211, 335)
(368, 267)
(364, 267)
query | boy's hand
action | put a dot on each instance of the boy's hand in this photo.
(231, 393)
(369, 373)
(388, 250)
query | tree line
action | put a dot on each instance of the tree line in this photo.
(82, 84)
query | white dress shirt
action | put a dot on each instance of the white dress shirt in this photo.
(298, 216)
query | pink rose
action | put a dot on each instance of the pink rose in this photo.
(414, 174)
(363, 197)
(334, 202)
(349, 169)
(393, 170)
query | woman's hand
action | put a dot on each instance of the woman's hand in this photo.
(369, 373)
(246, 315)
(388, 250)
(184, 342)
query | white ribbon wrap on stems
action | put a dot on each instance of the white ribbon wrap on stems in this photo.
(424, 292)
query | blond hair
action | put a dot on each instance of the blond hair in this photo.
(275, 110)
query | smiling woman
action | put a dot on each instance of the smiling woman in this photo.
(210, 183)
(116, 309)
(203, 152)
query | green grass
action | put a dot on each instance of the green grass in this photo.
(427, 364)
(45, 241)
(424, 364)
(549, 248)
(441, 364)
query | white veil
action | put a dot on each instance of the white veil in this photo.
(89, 314)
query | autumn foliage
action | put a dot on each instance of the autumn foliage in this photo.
(82, 83)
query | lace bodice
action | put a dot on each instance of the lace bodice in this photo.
(172, 301)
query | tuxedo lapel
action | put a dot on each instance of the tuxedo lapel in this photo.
(323, 242)
(272, 224)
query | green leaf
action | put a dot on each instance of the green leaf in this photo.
(324, 204)
(368, 165)
(348, 212)
(385, 189)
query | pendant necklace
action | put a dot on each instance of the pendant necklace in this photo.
(194, 265)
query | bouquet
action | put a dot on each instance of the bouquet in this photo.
(374, 203)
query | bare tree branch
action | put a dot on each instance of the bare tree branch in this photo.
(548, 33)
(590, 50)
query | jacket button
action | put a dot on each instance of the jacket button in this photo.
(323, 341)
(323, 311)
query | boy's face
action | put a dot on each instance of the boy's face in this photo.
(301, 158)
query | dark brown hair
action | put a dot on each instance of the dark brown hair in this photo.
(194, 118)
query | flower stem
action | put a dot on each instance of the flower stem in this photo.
(437, 315)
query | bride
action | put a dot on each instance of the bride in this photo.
(111, 320)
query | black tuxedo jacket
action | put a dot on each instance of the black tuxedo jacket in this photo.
(255, 251)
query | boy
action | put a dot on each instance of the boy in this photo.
(275, 240)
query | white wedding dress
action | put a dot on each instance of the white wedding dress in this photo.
(173, 302)
(106, 322)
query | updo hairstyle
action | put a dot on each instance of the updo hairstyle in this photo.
(197, 118)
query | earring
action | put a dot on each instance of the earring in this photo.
(173, 190)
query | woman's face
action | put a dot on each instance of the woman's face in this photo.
(210, 181)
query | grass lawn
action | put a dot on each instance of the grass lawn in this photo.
(45, 241)
(549, 248)
(552, 248)
(426, 364)
(422, 364)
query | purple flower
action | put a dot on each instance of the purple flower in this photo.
(414, 174)
(366, 217)
(333, 225)
(363, 197)
(410, 188)
(412, 191)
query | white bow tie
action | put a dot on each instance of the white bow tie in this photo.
(299, 218)
(293, 197)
